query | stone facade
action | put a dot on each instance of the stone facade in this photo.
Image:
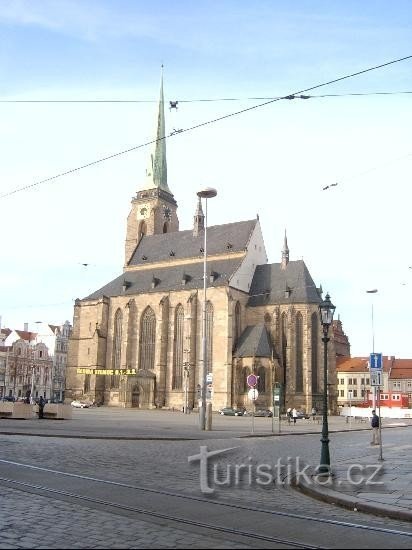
(260, 318)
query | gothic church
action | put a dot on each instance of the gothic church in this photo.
(260, 318)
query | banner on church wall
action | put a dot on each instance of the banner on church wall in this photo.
(108, 372)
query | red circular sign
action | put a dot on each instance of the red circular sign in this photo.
(251, 380)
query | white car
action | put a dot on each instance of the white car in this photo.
(80, 404)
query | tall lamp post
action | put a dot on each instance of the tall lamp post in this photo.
(326, 310)
(206, 193)
(373, 291)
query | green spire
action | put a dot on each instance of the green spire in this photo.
(156, 173)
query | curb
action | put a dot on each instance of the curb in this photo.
(352, 503)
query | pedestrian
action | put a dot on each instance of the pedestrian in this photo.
(375, 428)
(314, 413)
(41, 407)
(289, 414)
(294, 415)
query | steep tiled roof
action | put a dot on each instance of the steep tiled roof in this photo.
(254, 342)
(270, 283)
(26, 335)
(6, 331)
(157, 248)
(168, 278)
(402, 369)
(360, 364)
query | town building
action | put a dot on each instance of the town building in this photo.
(145, 327)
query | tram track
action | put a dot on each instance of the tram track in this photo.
(231, 519)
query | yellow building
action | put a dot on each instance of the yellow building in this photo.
(261, 318)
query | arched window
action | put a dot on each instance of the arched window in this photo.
(284, 340)
(299, 352)
(117, 347)
(131, 334)
(86, 383)
(178, 349)
(261, 386)
(238, 325)
(147, 340)
(165, 227)
(246, 372)
(314, 346)
(142, 229)
(209, 336)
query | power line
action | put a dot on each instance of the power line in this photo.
(202, 124)
(210, 100)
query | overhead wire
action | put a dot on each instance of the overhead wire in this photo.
(199, 100)
(202, 124)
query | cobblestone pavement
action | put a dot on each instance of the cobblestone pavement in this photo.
(33, 521)
(163, 465)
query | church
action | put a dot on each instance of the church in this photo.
(145, 326)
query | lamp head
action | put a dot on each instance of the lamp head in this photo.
(326, 310)
(207, 193)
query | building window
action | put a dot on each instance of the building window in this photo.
(355, 381)
(314, 354)
(367, 381)
(342, 393)
(350, 381)
(261, 386)
(342, 381)
(147, 340)
(178, 349)
(299, 353)
(284, 346)
(238, 326)
(117, 348)
(355, 393)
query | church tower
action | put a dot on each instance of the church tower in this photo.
(154, 207)
(285, 253)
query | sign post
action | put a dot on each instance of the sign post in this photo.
(277, 390)
(376, 369)
(253, 394)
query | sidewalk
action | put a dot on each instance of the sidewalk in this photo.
(366, 484)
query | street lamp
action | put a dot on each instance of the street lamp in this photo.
(373, 291)
(326, 310)
(206, 193)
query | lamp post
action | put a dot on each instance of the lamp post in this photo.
(374, 291)
(206, 193)
(326, 310)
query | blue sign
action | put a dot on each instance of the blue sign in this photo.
(375, 361)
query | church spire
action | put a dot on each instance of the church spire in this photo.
(156, 173)
(198, 220)
(285, 253)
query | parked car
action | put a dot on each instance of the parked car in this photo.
(263, 412)
(80, 404)
(302, 414)
(230, 411)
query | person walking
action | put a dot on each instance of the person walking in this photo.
(289, 414)
(375, 428)
(294, 415)
(314, 413)
(41, 407)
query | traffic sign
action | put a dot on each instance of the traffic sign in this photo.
(376, 378)
(375, 361)
(253, 394)
(252, 380)
(209, 378)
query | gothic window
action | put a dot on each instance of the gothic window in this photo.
(314, 346)
(238, 326)
(165, 227)
(131, 334)
(209, 336)
(178, 349)
(239, 379)
(284, 340)
(86, 383)
(147, 340)
(299, 352)
(117, 348)
(246, 372)
(142, 230)
(261, 386)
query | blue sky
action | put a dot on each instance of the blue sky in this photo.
(274, 160)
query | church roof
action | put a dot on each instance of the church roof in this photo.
(254, 342)
(180, 277)
(273, 284)
(226, 238)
